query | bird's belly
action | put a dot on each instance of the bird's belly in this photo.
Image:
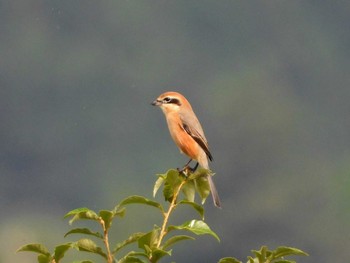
(186, 144)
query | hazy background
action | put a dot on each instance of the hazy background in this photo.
(269, 81)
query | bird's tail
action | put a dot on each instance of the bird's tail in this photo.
(214, 192)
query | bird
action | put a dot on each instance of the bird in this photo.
(187, 133)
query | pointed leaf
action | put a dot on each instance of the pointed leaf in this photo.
(84, 231)
(229, 260)
(168, 192)
(89, 246)
(133, 238)
(159, 253)
(119, 211)
(60, 250)
(44, 259)
(149, 240)
(285, 261)
(172, 176)
(81, 213)
(287, 251)
(133, 257)
(158, 184)
(172, 182)
(135, 199)
(37, 248)
(107, 217)
(189, 190)
(136, 254)
(196, 206)
(197, 227)
(78, 211)
(171, 241)
(260, 254)
(200, 172)
(203, 188)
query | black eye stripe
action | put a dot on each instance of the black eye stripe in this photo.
(172, 100)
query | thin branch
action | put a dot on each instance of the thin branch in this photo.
(106, 242)
(167, 214)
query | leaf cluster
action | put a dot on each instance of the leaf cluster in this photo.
(264, 255)
(153, 245)
(158, 242)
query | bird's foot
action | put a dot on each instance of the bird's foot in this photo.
(187, 169)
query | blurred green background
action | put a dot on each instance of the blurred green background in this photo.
(269, 81)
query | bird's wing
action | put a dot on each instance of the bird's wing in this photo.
(194, 129)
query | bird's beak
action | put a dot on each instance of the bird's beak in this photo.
(156, 103)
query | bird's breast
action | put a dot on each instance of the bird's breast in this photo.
(182, 139)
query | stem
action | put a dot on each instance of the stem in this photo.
(106, 242)
(167, 214)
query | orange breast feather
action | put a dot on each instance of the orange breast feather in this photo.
(183, 140)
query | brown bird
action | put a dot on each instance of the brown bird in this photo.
(187, 133)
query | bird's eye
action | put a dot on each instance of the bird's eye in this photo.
(167, 99)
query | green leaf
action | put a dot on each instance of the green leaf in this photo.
(172, 175)
(133, 257)
(203, 188)
(252, 260)
(119, 211)
(196, 206)
(171, 241)
(83, 261)
(84, 231)
(149, 240)
(60, 250)
(197, 227)
(131, 239)
(157, 254)
(172, 182)
(135, 199)
(189, 190)
(261, 254)
(168, 192)
(158, 184)
(37, 248)
(89, 246)
(44, 259)
(200, 172)
(229, 260)
(287, 251)
(82, 213)
(284, 261)
(107, 217)
(78, 211)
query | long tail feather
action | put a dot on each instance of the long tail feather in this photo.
(214, 192)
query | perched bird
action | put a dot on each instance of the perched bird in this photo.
(187, 133)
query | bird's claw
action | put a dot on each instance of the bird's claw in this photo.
(186, 170)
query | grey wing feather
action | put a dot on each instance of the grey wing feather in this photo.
(194, 129)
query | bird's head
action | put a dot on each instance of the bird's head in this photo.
(171, 102)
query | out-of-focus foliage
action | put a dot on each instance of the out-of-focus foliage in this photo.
(268, 80)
